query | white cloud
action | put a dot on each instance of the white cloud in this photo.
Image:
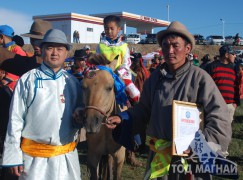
(20, 22)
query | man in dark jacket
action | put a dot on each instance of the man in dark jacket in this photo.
(178, 80)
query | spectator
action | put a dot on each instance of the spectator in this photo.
(133, 50)
(88, 50)
(205, 61)
(19, 65)
(141, 73)
(7, 84)
(237, 39)
(37, 31)
(6, 35)
(18, 40)
(190, 57)
(195, 60)
(102, 35)
(155, 63)
(240, 79)
(224, 75)
(80, 59)
(41, 135)
(161, 60)
(77, 37)
(216, 58)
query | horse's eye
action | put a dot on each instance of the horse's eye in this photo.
(109, 88)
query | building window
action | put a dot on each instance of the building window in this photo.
(90, 29)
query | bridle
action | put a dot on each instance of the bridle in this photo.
(90, 75)
(106, 115)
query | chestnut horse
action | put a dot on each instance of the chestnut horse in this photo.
(99, 103)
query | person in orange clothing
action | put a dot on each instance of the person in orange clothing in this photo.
(140, 74)
(7, 84)
(20, 42)
(138, 68)
(6, 35)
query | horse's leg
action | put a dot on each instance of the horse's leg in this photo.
(119, 158)
(110, 167)
(103, 168)
(93, 161)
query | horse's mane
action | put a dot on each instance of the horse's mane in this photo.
(98, 59)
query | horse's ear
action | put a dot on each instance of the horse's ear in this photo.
(113, 64)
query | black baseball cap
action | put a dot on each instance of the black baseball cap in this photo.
(80, 54)
(226, 49)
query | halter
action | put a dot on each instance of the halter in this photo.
(106, 115)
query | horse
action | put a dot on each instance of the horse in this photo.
(99, 103)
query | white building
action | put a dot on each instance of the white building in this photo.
(91, 27)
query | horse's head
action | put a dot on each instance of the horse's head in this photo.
(98, 94)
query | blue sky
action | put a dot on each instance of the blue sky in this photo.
(200, 16)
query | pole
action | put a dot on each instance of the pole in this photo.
(223, 29)
(168, 12)
(223, 25)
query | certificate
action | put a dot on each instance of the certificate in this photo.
(187, 118)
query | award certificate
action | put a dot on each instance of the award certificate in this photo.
(187, 119)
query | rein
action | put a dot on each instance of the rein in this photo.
(97, 109)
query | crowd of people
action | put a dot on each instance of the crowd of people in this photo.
(39, 95)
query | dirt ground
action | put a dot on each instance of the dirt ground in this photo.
(200, 50)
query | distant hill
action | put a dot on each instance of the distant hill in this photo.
(200, 50)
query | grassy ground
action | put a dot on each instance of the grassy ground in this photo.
(128, 172)
(235, 151)
(236, 145)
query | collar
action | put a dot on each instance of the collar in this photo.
(179, 72)
(9, 44)
(112, 41)
(49, 72)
